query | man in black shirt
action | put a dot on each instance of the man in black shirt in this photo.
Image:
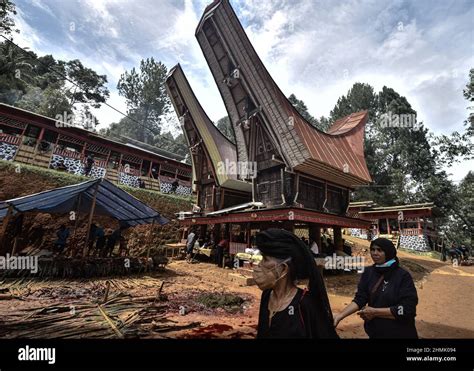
(89, 164)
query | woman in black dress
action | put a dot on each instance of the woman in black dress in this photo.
(287, 311)
(389, 293)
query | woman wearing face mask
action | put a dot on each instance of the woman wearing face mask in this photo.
(287, 311)
(389, 293)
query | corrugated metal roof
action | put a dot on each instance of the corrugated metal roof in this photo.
(90, 134)
(346, 124)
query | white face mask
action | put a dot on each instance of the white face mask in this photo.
(266, 278)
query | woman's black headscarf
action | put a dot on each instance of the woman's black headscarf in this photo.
(390, 253)
(282, 244)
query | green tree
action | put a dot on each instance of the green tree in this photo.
(49, 72)
(88, 88)
(48, 102)
(7, 23)
(225, 127)
(16, 72)
(457, 147)
(359, 98)
(176, 145)
(460, 223)
(321, 124)
(146, 96)
(399, 155)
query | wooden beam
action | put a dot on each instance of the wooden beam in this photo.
(149, 169)
(91, 216)
(40, 138)
(213, 200)
(149, 240)
(315, 234)
(76, 223)
(338, 245)
(5, 223)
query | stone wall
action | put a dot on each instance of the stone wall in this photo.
(129, 180)
(7, 151)
(416, 243)
(166, 187)
(75, 166)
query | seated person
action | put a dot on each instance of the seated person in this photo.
(346, 248)
(61, 166)
(62, 234)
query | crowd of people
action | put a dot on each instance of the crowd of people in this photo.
(456, 253)
(219, 248)
(326, 247)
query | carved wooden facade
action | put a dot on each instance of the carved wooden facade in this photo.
(217, 186)
(298, 165)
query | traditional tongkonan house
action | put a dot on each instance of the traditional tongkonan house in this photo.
(29, 138)
(409, 226)
(212, 153)
(303, 176)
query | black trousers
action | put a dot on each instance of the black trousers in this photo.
(219, 255)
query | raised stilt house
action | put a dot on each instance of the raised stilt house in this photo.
(408, 226)
(302, 176)
(29, 138)
(216, 185)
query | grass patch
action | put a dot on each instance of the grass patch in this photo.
(225, 301)
(431, 254)
(62, 179)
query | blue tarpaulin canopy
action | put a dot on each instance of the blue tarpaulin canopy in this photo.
(110, 201)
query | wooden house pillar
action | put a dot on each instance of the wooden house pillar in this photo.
(315, 234)
(338, 245)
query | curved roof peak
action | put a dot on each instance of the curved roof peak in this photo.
(349, 122)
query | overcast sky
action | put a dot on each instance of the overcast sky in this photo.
(315, 49)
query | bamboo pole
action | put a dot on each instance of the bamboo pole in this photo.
(107, 289)
(150, 239)
(91, 216)
(109, 321)
(76, 222)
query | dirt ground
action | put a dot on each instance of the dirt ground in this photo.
(445, 296)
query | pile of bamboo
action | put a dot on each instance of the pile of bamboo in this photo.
(27, 287)
(120, 316)
(91, 267)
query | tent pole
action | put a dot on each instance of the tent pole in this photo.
(91, 216)
(76, 222)
(5, 223)
(150, 239)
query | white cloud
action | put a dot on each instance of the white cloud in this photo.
(315, 49)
